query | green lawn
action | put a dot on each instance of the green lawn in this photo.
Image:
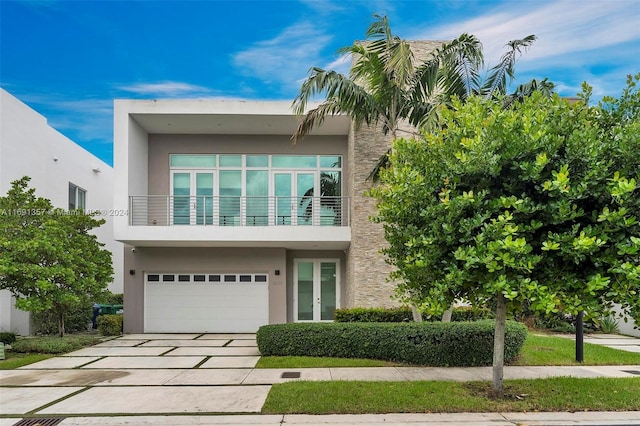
(554, 394)
(552, 350)
(14, 360)
(318, 362)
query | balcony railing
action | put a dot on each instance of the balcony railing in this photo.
(163, 210)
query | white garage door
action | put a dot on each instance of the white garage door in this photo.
(199, 303)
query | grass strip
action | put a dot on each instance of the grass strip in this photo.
(553, 394)
(319, 362)
(16, 360)
(552, 350)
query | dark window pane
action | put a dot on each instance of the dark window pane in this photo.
(214, 278)
(245, 278)
(168, 278)
(261, 278)
(198, 278)
(229, 278)
(153, 277)
(184, 278)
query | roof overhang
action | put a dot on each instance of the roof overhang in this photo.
(180, 116)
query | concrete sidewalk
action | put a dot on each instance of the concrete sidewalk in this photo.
(600, 418)
(183, 379)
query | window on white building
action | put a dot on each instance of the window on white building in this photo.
(77, 197)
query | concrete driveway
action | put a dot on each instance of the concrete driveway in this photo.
(136, 374)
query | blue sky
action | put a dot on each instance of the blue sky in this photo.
(69, 59)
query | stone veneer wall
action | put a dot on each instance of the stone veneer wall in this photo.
(367, 271)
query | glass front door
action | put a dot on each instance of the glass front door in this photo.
(192, 202)
(294, 192)
(317, 289)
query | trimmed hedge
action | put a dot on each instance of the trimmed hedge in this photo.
(110, 325)
(451, 344)
(373, 315)
(462, 313)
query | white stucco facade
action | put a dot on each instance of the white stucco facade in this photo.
(30, 147)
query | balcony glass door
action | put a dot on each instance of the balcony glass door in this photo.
(294, 192)
(317, 289)
(192, 202)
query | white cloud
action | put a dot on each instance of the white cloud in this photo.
(562, 27)
(167, 89)
(285, 58)
(573, 36)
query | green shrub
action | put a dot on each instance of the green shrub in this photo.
(113, 299)
(462, 313)
(52, 345)
(609, 325)
(373, 315)
(470, 313)
(74, 321)
(7, 337)
(110, 325)
(429, 343)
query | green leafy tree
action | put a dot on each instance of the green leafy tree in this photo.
(388, 87)
(48, 259)
(535, 205)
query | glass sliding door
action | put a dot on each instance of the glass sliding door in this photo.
(181, 199)
(257, 205)
(316, 289)
(305, 192)
(294, 192)
(230, 192)
(192, 202)
(204, 198)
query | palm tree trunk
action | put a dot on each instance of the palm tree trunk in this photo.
(498, 347)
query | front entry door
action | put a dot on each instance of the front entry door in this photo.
(317, 289)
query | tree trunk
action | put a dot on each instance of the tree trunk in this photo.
(417, 316)
(61, 324)
(446, 315)
(498, 347)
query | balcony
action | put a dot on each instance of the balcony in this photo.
(162, 210)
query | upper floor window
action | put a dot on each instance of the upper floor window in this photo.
(77, 197)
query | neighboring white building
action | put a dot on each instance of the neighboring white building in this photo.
(61, 171)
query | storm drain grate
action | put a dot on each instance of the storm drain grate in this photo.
(291, 375)
(40, 422)
(636, 372)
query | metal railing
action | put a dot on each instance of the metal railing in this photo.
(178, 210)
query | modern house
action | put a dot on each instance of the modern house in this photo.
(230, 227)
(61, 171)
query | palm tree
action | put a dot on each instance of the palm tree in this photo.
(387, 85)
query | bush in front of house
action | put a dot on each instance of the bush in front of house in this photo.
(52, 345)
(403, 314)
(7, 337)
(110, 324)
(373, 315)
(429, 343)
(46, 322)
